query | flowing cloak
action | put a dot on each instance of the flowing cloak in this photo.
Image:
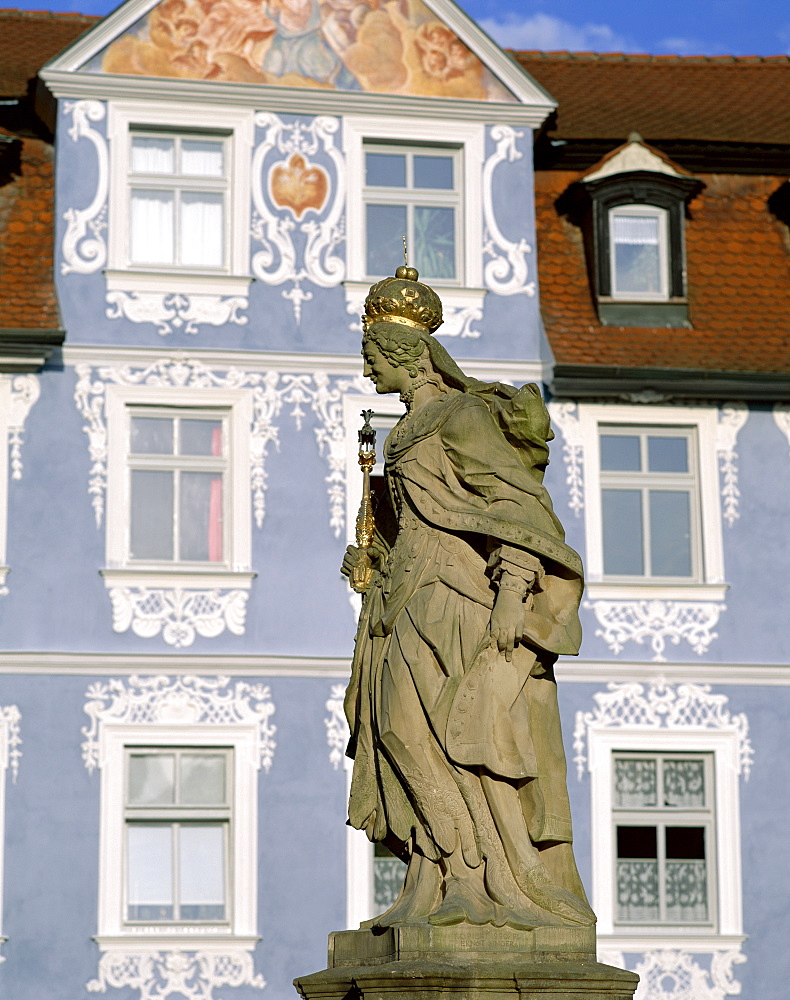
(432, 705)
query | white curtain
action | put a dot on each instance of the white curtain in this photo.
(200, 158)
(201, 229)
(636, 230)
(153, 155)
(152, 215)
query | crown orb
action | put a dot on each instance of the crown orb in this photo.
(407, 273)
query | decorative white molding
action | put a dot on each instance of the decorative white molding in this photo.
(336, 725)
(662, 706)
(461, 307)
(674, 975)
(84, 248)
(782, 418)
(172, 311)
(732, 417)
(635, 620)
(191, 975)
(178, 701)
(274, 222)
(566, 417)
(25, 391)
(178, 614)
(10, 754)
(507, 273)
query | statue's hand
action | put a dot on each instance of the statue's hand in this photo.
(507, 621)
(353, 555)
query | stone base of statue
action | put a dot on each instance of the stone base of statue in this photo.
(466, 962)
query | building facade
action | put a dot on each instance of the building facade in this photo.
(181, 481)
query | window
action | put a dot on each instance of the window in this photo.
(178, 487)
(662, 810)
(179, 199)
(649, 503)
(412, 192)
(638, 248)
(178, 832)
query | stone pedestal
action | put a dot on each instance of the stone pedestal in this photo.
(420, 962)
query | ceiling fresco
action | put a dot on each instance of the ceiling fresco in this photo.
(392, 47)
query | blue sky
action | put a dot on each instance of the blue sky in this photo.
(682, 27)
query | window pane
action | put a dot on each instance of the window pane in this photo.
(687, 891)
(635, 230)
(620, 453)
(434, 172)
(152, 436)
(667, 454)
(434, 241)
(635, 783)
(202, 229)
(151, 533)
(637, 891)
(684, 784)
(153, 155)
(151, 779)
(637, 842)
(201, 437)
(201, 158)
(201, 517)
(151, 226)
(202, 871)
(385, 228)
(202, 779)
(149, 872)
(670, 533)
(622, 532)
(385, 170)
(637, 269)
(685, 842)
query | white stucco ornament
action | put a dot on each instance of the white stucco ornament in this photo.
(84, 247)
(171, 311)
(180, 615)
(10, 740)
(657, 622)
(507, 272)
(336, 726)
(566, 417)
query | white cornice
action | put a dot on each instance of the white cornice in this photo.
(285, 100)
(603, 671)
(344, 365)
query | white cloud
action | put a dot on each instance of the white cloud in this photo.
(678, 46)
(551, 33)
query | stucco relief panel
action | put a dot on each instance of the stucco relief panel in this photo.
(84, 245)
(23, 393)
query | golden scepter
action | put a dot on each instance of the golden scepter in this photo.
(363, 570)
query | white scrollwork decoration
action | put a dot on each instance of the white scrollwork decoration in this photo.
(336, 725)
(179, 614)
(675, 975)
(782, 418)
(188, 975)
(25, 391)
(10, 754)
(658, 621)
(661, 705)
(732, 417)
(566, 417)
(273, 227)
(186, 700)
(507, 272)
(170, 312)
(84, 248)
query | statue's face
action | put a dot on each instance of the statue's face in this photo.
(386, 376)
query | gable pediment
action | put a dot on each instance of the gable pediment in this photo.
(409, 48)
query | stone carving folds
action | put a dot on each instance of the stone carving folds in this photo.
(661, 705)
(84, 247)
(187, 975)
(624, 621)
(170, 312)
(178, 614)
(507, 272)
(187, 700)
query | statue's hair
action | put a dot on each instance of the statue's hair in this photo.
(400, 345)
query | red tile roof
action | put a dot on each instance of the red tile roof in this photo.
(29, 38)
(717, 98)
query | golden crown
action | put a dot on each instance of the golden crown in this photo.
(403, 299)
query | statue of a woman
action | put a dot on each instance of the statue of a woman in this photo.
(455, 733)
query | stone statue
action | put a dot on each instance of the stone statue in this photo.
(459, 766)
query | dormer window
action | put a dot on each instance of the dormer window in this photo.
(638, 249)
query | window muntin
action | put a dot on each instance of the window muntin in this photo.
(664, 843)
(650, 517)
(638, 250)
(178, 193)
(178, 469)
(177, 834)
(413, 192)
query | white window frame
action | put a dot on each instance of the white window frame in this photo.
(116, 738)
(468, 138)
(662, 295)
(704, 420)
(235, 571)
(236, 127)
(725, 869)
